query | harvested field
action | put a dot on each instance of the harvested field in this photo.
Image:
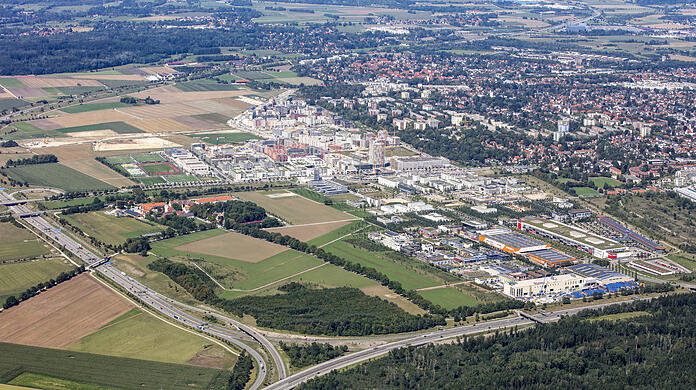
(45, 124)
(295, 209)
(102, 76)
(118, 127)
(174, 95)
(196, 124)
(93, 133)
(91, 118)
(134, 144)
(160, 125)
(308, 232)
(99, 171)
(234, 103)
(161, 110)
(29, 92)
(386, 294)
(50, 82)
(234, 246)
(62, 315)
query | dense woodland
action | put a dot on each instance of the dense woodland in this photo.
(308, 355)
(653, 349)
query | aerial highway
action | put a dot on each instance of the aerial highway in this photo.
(156, 301)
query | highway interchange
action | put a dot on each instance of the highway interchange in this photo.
(179, 312)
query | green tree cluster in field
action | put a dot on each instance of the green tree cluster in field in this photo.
(35, 159)
(652, 348)
(308, 355)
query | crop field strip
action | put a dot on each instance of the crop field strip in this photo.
(110, 229)
(63, 314)
(17, 277)
(16, 243)
(56, 175)
(99, 371)
(294, 208)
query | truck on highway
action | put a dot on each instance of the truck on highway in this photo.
(123, 273)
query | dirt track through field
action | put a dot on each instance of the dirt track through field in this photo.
(62, 315)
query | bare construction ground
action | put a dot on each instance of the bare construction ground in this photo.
(234, 246)
(62, 315)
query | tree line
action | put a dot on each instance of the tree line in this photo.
(35, 159)
(42, 286)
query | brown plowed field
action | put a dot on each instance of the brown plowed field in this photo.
(234, 246)
(91, 118)
(306, 233)
(62, 315)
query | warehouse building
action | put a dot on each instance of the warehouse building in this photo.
(551, 285)
(510, 241)
(589, 242)
(604, 276)
(550, 258)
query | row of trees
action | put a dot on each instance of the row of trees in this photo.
(241, 373)
(35, 159)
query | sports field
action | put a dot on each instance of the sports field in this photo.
(16, 243)
(585, 191)
(56, 175)
(63, 314)
(157, 168)
(223, 138)
(110, 229)
(17, 277)
(56, 369)
(294, 208)
(139, 335)
(609, 182)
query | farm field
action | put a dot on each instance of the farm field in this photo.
(294, 208)
(16, 243)
(139, 335)
(62, 315)
(237, 274)
(17, 277)
(110, 229)
(234, 246)
(56, 175)
(309, 232)
(449, 297)
(410, 279)
(93, 107)
(57, 369)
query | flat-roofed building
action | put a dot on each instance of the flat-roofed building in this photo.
(550, 285)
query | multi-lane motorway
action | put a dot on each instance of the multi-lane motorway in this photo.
(165, 306)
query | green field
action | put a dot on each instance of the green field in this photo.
(410, 279)
(8, 104)
(78, 90)
(94, 371)
(59, 204)
(450, 297)
(151, 180)
(27, 130)
(56, 175)
(600, 181)
(252, 75)
(120, 160)
(16, 243)
(139, 335)
(223, 138)
(213, 117)
(109, 229)
(236, 273)
(118, 127)
(136, 267)
(181, 178)
(198, 86)
(17, 277)
(585, 191)
(93, 107)
(11, 82)
(158, 168)
(148, 158)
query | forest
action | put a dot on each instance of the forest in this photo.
(641, 345)
(308, 355)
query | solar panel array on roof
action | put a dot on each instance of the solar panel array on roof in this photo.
(551, 255)
(515, 240)
(594, 271)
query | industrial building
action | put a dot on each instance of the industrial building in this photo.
(589, 242)
(551, 285)
(510, 242)
(550, 258)
(604, 276)
(635, 237)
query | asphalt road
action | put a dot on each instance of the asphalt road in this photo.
(158, 302)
